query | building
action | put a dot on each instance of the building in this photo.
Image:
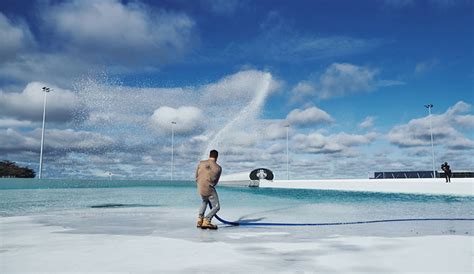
(420, 174)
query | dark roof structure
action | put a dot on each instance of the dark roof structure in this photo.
(261, 173)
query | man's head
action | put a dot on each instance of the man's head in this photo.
(214, 154)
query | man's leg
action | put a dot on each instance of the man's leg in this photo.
(214, 200)
(202, 210)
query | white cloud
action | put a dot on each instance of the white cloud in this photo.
(341, 79)
(56, 141)
(367, 123)
(90, 36)
(28, 104)
(303, 89)
(199, 139)
(308, 117)
(238, 88)
(56, 68)
(458, 108)
(109, 29)
(11, 123)
(446, 130)
(72, 140)
(273, 129)
(318, 143)
(465, 121)
(13, 141)
(188, 119)
(15, 37)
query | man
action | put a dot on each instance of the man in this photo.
(447, 171)
(208, 173)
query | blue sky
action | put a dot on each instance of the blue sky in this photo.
(350, 77)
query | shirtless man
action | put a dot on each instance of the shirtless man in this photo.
(208, 173)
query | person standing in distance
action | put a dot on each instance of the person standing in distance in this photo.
(208, 173)
(447, 171)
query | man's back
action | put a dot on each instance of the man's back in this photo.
(208, 173)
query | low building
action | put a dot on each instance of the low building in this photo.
(420, 174)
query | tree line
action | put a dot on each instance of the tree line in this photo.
(11, 169)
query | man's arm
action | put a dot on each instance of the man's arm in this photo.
(197, 171)
(218, 176)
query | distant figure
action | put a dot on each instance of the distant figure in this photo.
(208, 173)
(447, 171)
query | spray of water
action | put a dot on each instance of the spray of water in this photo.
(125, 114)
(249, 111)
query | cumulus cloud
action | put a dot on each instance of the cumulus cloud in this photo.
(16, 37)
(187, 119)
(56, 140)
(447, 129)
(273, 129)
(12, 123)
(56, 68)
(308, 117)
(341, 79)
(124, 143)
(109, 29)
(319, 143)
(28, 104)
(72, 140)
(14, 141)
(238, 88)
(90, 36)
(367, 123)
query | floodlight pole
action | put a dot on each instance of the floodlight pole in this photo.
(45, 90)
(429, 107)
(172, 148)
(287, 153)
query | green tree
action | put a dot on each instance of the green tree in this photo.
(11, 169)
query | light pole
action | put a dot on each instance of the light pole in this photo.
(429, 107)
(45, 90)
(172, 148)
(287, 153)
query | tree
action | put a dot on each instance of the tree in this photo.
(10, 169)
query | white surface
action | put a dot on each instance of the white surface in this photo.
(30, 247)
(458, 186)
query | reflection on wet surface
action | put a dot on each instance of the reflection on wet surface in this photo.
(121, 205)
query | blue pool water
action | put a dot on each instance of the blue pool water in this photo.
(30, 197)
